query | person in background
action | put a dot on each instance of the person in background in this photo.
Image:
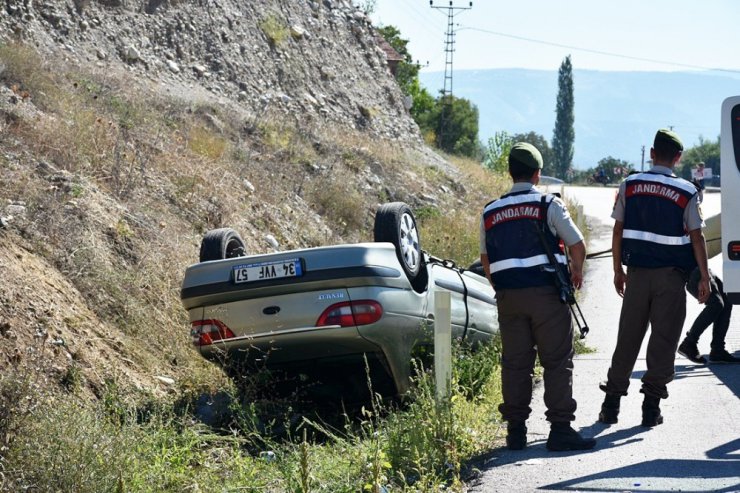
(700, 175)
(716, 312)
(657, 235)
(532, 319)
(698, 180)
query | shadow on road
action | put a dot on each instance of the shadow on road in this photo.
(658, 476)
(725, 373)
(536, 451)
(728, 374)
(655, 476)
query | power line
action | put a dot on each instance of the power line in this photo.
(422, 15)
(598, 52)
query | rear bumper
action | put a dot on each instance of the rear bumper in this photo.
(293, 346)
(333, 354)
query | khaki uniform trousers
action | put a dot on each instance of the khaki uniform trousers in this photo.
(533, 321)
(656, 296)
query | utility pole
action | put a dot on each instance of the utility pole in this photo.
(642, 164)
(452, 12)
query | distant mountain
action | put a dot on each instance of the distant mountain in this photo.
(616, 113)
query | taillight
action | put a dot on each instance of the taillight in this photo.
(206, 332)
(351, 313)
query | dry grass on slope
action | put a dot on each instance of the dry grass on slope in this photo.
(117, 183)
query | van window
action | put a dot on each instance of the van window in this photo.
(735, 118)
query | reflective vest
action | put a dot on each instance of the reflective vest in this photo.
(515, 252)
(654, 231)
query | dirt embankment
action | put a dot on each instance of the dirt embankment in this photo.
(127, 129)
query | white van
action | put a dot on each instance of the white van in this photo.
(730, 175)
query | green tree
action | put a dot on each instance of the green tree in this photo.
(457, 126)
(450, 122)
(564, 134)
(707, 151)
(496, 152)
(543, 146)
(422, 107)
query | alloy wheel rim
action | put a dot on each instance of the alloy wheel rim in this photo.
(409, 242)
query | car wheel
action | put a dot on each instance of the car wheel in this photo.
(395, 223)
(221, 243)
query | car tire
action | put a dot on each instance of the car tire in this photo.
(395, 223)
(221, 243)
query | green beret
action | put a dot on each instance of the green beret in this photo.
(668, 137)
(526, 154)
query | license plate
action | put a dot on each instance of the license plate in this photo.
(264, 271)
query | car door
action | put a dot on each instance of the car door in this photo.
(443, 278)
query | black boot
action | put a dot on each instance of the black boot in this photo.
(563, 437)
(651, 411)
(516, 437)
(610, 409)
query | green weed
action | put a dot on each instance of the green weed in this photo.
(275, 30)
(24, 71)
(205, 143)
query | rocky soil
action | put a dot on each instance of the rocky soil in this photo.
(317, 61)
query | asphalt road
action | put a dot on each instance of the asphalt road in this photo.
(697, 448)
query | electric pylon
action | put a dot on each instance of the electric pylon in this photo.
(452, 12)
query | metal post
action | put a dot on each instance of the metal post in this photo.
(442, 345)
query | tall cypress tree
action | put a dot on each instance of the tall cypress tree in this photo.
(564, 134)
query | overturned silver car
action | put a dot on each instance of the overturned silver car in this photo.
(332, 312)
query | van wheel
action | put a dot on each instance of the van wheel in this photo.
(395, 223)
(221, 243)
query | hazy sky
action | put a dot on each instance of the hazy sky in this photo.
(663, 35)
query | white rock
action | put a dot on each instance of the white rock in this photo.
(173, 67)
(16, 210)
(248, 185)
(408, 102)
(165, 380)
(297, 31)
(272, 241)
(132, 54)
